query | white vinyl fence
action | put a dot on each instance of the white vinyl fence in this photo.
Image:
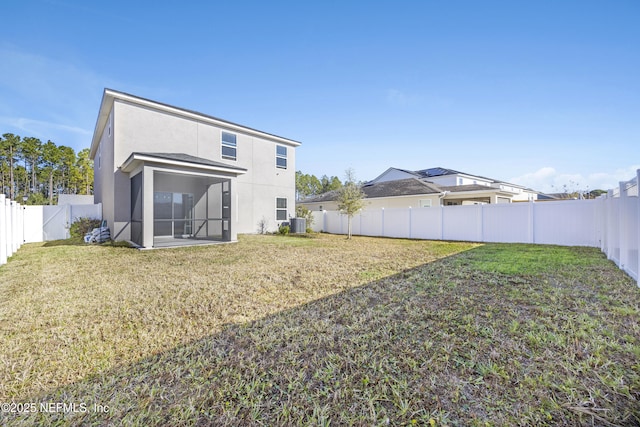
(620, 226)
(27, 224)
(11, 228)
(610, 223)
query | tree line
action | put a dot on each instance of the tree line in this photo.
(310, 185)
(35, 173)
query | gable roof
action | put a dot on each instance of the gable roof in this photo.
(110, 95)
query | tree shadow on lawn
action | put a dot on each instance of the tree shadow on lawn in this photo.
(442, 343)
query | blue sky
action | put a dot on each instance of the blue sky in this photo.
(542, 93)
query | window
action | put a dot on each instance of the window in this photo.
(281, 156)
(281, 209)
(425, 203)
(459, 181)
(229, 146)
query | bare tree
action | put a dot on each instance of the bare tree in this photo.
(350, 198)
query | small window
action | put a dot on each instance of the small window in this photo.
(229, 146)
(459, 181)
(425, 203)
(281, 156)
(281, 209)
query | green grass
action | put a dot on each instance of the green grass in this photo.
(517, 259)
(288, 331)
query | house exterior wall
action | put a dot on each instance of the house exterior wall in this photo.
(104, 182)
(263, 183)
(445, 180)
(401, 202)
(525, 196)
(451, 180)
(142, 128)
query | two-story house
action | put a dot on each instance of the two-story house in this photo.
(169, 176)
(400, 188)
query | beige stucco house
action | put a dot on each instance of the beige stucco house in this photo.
(169, 176)
(399, 188)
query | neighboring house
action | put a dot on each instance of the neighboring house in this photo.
(399, 188)
(167, 176)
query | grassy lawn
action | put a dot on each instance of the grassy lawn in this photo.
(315, 331)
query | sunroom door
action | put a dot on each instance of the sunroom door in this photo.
(173, 214)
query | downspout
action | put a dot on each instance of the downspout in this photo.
(442, 196)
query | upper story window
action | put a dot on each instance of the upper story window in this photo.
(229, 146)
(281, 156)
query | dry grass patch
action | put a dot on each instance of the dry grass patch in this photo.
(73, 310)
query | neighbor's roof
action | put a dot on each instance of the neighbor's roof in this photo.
(425, 174)
(403, 187)
(109, 95)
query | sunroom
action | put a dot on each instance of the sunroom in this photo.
(178, 199)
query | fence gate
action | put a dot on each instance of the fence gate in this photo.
(55, 222)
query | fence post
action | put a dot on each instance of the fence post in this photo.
(441, 222)
(409, 221)
(324, 221)
(382, 222)
(481, 223)
(9, 227)
(610, 221)
(20, 225)
(602, 208)
(622, 228)
(3, 230)
(531, 222)
(14, 226)
(638, 225)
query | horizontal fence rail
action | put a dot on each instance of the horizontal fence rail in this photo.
(610, 222)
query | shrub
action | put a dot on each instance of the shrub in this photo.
(82, 226)
(284, 230)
